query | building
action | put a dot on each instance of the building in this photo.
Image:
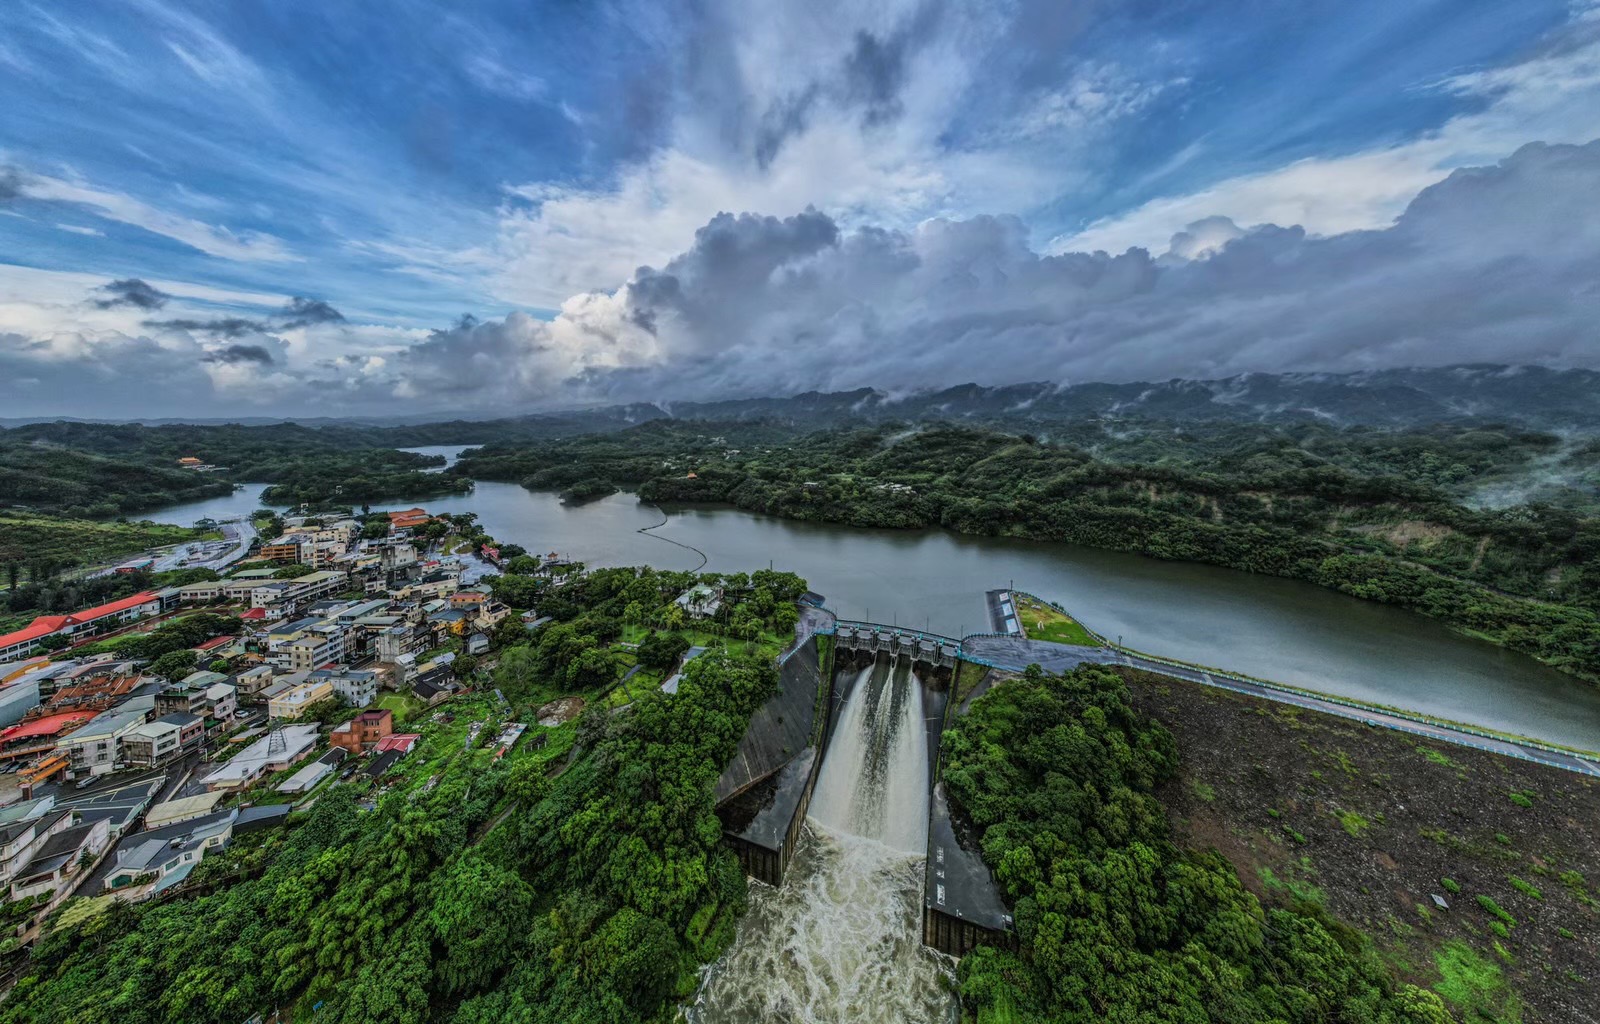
(400, 741)
(322, 645)
(96, 747)
(274, 752)
(363, 731)
(307, 778)
(79, 624)
(701, 601)
(174, 811)
(154, 743)
(251, 682)
(293, 701)
(356, 688)
(408, 519)
(60, 859)
(202, 694)
(21, 840)
(157, 859)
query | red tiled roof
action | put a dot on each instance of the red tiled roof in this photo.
(215, 642)
(402, 741)
(43, 626)
(254, 613)
(49, 725)
(100, 611)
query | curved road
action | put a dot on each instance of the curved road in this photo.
(1017, 653)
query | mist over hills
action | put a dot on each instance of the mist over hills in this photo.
(1534, 397)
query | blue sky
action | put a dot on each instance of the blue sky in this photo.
(411, 162)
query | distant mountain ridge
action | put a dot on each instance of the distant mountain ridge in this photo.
(1531, 396)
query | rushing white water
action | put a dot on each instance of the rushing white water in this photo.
(840, 940)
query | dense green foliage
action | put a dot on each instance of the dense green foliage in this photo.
(1355, 510)
(1116, 923)
(51, 544)
(78, 483)
(101, 470)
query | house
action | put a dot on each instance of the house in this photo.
(21, 840)
(477, 643)
(203, 694)
(323, 644)
(363, 731)
(408, 519)
(119, 807)
(182, 809)
(156, 859)
(190, 462)
(700, 601)
(307, 778)
(293, 701)
(251, 682)
(153, 743)
(356, 688)
(401, 741)
(60, 859)
(277, 750)
(96, 746)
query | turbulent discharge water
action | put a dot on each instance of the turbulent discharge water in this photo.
(840, 940)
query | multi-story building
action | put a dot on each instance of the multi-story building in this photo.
(96, 746)
(154, 743)
(293, 701)
(363, 731)
(323, 644)
(252, 681)
(356, 688)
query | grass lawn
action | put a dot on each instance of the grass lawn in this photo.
(1043, 622)
(403, 706)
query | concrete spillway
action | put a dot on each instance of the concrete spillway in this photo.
(840, 939)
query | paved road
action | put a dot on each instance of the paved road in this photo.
(211, 554)
(1017, 654)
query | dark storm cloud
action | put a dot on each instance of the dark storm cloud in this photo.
(239, 354)
(302, 312)
(225, 327)
(132, 292)
(1488, 265)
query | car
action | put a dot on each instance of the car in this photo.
(84, 783)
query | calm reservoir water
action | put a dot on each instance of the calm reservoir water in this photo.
(1284, 630)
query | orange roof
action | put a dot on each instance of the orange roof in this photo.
(214, 643)
(101, 611)
(43, 626)
(49, 725)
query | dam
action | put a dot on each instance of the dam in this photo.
(832, 801)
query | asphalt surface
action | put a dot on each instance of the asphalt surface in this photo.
(211, 554)
(1017, 654)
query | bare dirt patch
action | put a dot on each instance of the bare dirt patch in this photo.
(1372, 824)
(559, 711)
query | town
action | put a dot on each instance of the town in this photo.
(139, 735)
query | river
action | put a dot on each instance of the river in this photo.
(1284, 630)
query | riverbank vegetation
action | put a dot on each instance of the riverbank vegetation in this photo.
(1357, 511)
(102, 470)
(1372, 825)
(581, 880)
(1116, 920)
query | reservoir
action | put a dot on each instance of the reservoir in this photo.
(1283, 630)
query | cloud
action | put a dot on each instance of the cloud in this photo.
(239, 354)
(302, 311)
(224, 327)
(214, 240)
(132, 292)
(1488, 265)
(1552, 95)
(493, 76)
